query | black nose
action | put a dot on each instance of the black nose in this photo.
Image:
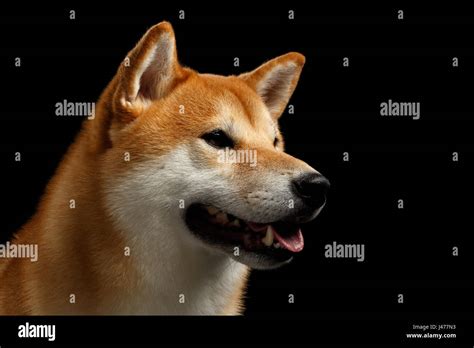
(311, 188)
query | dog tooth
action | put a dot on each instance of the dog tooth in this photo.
(277, 245)
(268, 239)
(235, 223)
(221, 218)
(212, 210)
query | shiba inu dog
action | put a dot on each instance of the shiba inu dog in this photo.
(158, 224)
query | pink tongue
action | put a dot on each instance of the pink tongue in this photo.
(293, 242)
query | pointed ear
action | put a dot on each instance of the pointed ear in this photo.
(276, 80)
(149, 72)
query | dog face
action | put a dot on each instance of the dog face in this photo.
(206, 163)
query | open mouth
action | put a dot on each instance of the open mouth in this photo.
(277, 239)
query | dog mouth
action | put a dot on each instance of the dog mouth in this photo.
(277, 240)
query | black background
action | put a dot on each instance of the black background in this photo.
(337, 109)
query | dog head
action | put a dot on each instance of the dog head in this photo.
(206, 164)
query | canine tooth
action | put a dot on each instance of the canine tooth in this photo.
(221, 218)
(277, 245)
(268, 239)
(212, 210)
(235, 223)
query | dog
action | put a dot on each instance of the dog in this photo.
(145, 215)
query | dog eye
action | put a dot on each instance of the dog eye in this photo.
(218, 138)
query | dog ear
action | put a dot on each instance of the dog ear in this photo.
(149, 72)
(276, 80)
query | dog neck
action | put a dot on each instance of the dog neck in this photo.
(180, 276)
